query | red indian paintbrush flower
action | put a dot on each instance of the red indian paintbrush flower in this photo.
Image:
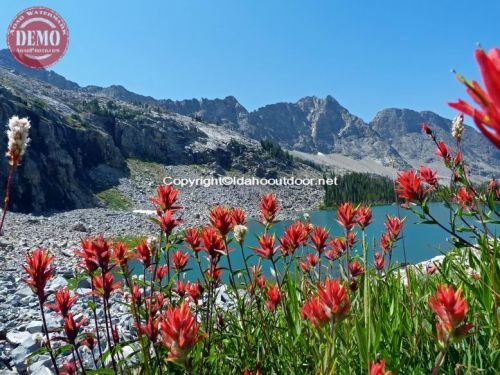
(39, 269)
(161, 272)
(68, 368)
(168, 222)
(356, 268)
(195, 290)
(268, 209)
(143, 253)
(179, 332)
(105, 285)
(89, 342)
(443, 152)
(378, 368)
(487, 117)
(386, 242)
(318, 237)
(213, 273)
(221, 218)
(426, 128)
(193, 239)
(428, 175)
(180, 260)
(165, 199)
(346, 215)
(136, 294)
(180, 288)
(364, 217)
(72, 328)
(150, 329)
(239, 217)
(273, 297)
(309, 263)
(410, 186)
(450, 308)
(63, 302)
(464, 197)
(266, 247)
(295, 235)
(379, 261)
(394, 226)
(338, 244)
(89, 261)
(331, 304)
(213, 242)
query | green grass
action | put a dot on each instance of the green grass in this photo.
(114, 199)
(130, 240)
(140, 169)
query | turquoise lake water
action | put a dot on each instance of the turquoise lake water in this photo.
(421, 241)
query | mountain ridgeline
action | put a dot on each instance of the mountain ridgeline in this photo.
(82, 136)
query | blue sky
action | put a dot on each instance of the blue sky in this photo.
(369, 55)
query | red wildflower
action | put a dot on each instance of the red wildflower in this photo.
(450, 308)
(378, 368)
(394, 225)
(180, 288)
(487, 117)
(72, 328)
(426, 128)
(193, 239)
(346, 215)
(214, 273)
(266, 247)
(100, 250)
(351, 239)
(295, 235)
(331, 303)
(338, 244)
(309, 263)
(428, 175)
(195, 290)
(332, 254)
(68, 368)
(386, 242)
(364, 217)
(120, 254)
(492, 185)
(379, 261)
(458, 159)
(268, 209)
(63, 302)
(319, 236)
(239, 217)
(221, 218)
(273, 297)
(89, 342)
(179, 332)
(356, 268)
(39, 271)
(464, 197)
(180, 260)
(168, 223)
(137, 295)
(443, 152)
(150, 329)
(105, 285)
(213, 242)
(165, 199)
(410, 186)
(161, 272)
(144, 253)
(89, 262)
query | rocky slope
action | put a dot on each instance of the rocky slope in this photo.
(82, 139)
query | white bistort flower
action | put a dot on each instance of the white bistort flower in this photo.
(17, 133)
(240, 232)
(457, 127)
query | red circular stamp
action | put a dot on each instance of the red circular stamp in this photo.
(37, 37)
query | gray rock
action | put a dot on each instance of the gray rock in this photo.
(42, 370)
(42, 361)
(58, 282)
(35, 326)
(16, 337)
